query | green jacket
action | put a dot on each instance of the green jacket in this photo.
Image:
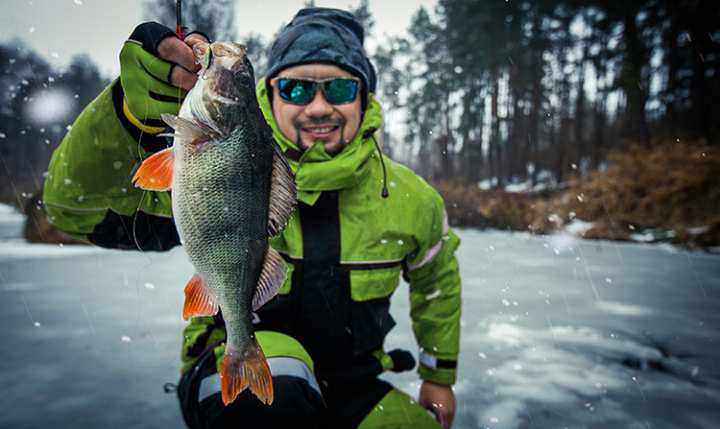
(90, 171)
(380, 238)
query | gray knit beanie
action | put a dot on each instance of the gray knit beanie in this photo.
(323, 35)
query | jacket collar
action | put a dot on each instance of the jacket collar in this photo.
(315, 170)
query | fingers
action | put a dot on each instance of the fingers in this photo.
(440, 400)
(176, 51)
(445, 417)
(182, 78)
(180, 53)
(194, 38)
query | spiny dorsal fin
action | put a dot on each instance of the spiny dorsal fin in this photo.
(199, 299)
(187, 129)
(271, 278)
(283, 195)
(156, 172)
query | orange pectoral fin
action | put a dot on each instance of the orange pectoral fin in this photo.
(199, 299)
(156, 172)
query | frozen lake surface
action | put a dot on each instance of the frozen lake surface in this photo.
(556, 332)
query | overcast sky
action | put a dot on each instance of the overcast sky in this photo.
(58, 29)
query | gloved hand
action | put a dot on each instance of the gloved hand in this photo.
(156, 71)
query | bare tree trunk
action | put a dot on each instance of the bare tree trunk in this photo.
(494, 148)
(536, 75)
(599, 124)
(700, 91)
(579, 122)
(447, 140)
(633, 81)
(672, 63)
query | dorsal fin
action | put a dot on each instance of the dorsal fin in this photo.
(283, 194)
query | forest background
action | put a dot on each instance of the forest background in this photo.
(597, 118)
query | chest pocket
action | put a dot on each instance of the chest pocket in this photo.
(372, 283)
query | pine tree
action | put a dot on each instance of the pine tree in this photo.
(215, 18)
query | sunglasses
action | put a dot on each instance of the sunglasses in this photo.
(337, 90)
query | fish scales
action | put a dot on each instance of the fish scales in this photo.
(231, 189)
(220, 205)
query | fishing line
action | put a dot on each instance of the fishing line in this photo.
(178, 20)
(181, 35)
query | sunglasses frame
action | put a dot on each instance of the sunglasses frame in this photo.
(319, 83)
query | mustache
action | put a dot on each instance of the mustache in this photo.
(319, 121)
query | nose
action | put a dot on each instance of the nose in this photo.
(318, 107)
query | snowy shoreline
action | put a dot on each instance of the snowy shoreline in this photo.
(12, 245)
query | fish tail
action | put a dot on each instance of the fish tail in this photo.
(248, 369)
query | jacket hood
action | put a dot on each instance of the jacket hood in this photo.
(317, 171)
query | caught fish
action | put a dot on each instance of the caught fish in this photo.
(232, 190)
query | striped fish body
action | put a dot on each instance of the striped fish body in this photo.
(220, 205)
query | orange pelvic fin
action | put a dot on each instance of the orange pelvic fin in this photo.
(199, 299)
(156, 172)
(246, 370)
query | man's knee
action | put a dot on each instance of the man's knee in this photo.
(398, 410)
(295, 401)
(297, 396)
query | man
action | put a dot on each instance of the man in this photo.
(361, 221)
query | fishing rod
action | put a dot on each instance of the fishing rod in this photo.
(178, 20)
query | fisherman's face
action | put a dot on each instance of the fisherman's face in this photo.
(334, 126)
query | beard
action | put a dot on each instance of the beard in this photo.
(332, 148)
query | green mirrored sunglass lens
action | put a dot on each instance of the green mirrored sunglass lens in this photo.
(341, 90)
(294, 91)
(298, 94)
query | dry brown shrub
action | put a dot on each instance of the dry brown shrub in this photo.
(671, 186)
(468, 205)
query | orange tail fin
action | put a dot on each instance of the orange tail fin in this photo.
(156, 172)
(243, 370)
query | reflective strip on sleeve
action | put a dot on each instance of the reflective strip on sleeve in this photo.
(436, 248)
(433, 362)
(427, 360)
(280, 365)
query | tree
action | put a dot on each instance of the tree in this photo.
(214, 18)
(257, 52)
(26, 137)
(362, 13)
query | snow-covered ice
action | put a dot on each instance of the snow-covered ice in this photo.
(90, 336)
(578, 227)
(11, 222)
